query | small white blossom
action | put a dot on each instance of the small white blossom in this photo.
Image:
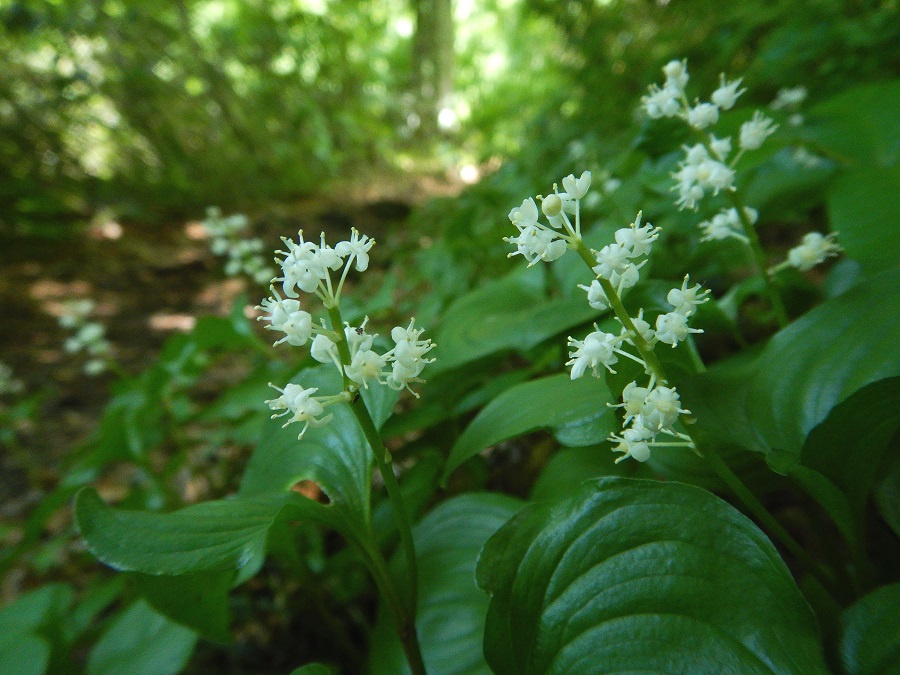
(612, 259)
(537, 244)
(661, 409)
(357, 248)
(814, 248)
(301, 405)
(703, 115)
(644, 329)
(576, 188)
(595, 295)
(676, 73)
(633, 399)
(789, 98)
(638, 240)
(756, 130)
(633, 443)
(727, 94)
(286, 316)
(366, 365)
(597, 349)
(685, 299)
(324, 350)
(721, 147)
(524, 215)
(8, 383)
(665, 102)
(673, 327)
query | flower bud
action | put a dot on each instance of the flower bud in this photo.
(552, 205)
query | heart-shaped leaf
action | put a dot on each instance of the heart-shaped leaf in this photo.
(803, 373)
(451, 609)
(642, 576)
(554, 401)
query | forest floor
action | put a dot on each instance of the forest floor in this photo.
(148, 280)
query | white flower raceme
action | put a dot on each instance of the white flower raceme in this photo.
(727, 224)
(89, 337)
(537, 244)
(755, 131)
(228, 239)
(301, 405)
(597, 349)
(699, 173)
(814, 249)
(286, 316)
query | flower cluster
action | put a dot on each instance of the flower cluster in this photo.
(706, 167)
(308, 267)
(790, 99)
(652, 410)
(89, 337)
(616, 262)
(727, 223)
(813, 250)
(538, 242)
(244, 255)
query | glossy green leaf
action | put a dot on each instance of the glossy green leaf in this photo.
(803, 373)
(509, 313)
(867, 222)
(859, 125)
(452, 608)
(554, 401)
(142, 642)
(223, 535)
(336, 456)
(642, 576)
(570, 467)
(870, 640)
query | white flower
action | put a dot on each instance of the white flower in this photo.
(789, 98)
(324, 350)
(536, 243)
(661, 409)
(643, 328)
(721, 147)
(673, 327)
(300, 404)
(287, 317)
(638, 240)
(703, 115)
(727, 94)
(524, 215)
(814, 248)
(366, 365)
(633, 443)
(358, 247)
(676, 74)
(756, 130)
(685, 300)
(576, 188)
(660, 103)
(612, 259)
(595, 295)
(633, 398)
(409, 349)
(597, 349)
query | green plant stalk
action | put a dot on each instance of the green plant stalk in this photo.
(759, 257)
(727, 476)
(404, 614)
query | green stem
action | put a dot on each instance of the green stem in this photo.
(404, 614)
(759, 258)
(743, 493)
(615, 302)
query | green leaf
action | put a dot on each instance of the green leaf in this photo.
(217, 536)
(642, 576)
(803, 373)
(452, 609)
(314, 669)
(554, 401)
(336, 456)
(509, 313)
(198, 601)
(870, 641)
(865, 218)
(860, 124)
(31, 629)
(140, 642)
(570, 467)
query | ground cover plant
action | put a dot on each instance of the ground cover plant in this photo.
(619, 407)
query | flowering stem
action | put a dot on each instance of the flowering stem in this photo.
(404, 615)
(759, 258)
(406, 622)
(616, 303)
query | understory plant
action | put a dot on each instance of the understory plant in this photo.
(663, 445)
